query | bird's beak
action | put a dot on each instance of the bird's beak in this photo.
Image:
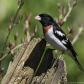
(37, 18)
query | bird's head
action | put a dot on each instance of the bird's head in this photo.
(45, 19)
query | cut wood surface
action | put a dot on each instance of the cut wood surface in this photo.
(26, 61)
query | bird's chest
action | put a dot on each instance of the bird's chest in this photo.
(53, 40)
(48, 34)
(45, 30)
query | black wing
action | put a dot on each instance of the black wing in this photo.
(58, 32)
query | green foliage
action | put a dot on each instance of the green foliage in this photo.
(35, 7)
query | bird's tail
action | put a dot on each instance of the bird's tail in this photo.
(75, 59)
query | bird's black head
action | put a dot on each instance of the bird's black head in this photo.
(45, 19)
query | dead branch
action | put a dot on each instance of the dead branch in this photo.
(24, 66)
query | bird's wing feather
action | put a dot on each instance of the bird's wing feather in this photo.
(58, 32)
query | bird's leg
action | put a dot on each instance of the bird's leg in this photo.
(60, 56)
(58, 60)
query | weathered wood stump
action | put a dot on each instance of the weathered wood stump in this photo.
(24, 67)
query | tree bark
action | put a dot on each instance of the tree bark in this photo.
(24, 69)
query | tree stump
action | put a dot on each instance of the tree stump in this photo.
(24, 68)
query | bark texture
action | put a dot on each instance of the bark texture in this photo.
(24, 67)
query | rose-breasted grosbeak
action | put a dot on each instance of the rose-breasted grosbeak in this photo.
(56, 37)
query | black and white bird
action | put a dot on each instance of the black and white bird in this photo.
(56, 37)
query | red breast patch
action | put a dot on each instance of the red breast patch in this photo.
(45, 29)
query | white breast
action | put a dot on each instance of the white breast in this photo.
(53, 41)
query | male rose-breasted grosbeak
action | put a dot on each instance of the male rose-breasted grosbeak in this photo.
(56, 37)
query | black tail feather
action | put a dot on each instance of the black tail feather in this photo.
(78, 64)
(73, 56)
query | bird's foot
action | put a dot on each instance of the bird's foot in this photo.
(58, 60)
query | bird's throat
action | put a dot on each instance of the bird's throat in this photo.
(45, 29)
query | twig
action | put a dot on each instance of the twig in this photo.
(21, 3)
(77, 35)
(62, 17)
(67, 15)
(70, 9)
(11, 51)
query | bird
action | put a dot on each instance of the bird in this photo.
(56, 37)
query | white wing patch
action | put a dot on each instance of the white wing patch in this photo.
(60, 33)
(64, 42)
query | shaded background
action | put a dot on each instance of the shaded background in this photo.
(8, 8)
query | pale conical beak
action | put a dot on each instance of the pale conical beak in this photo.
(37, 18)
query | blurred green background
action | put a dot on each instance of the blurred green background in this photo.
(35, 7)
